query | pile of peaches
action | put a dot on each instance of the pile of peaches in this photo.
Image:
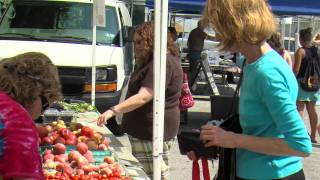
(57, 132)
(78, 163)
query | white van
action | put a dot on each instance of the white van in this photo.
(62, 29)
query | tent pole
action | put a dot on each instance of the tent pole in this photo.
(159, 65)
(297, 34)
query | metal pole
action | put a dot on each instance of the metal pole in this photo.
(297, 34)
(159, 65)
(289, 42)
(93, 83)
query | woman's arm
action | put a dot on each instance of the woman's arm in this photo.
(298, 56)
(215, 136)
(271, 146)
(144, 95)
(287, 57)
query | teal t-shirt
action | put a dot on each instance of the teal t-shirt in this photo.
(268, 109)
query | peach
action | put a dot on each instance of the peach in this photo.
(82, 148)
(108, 160)
(73, 156)
(59, 148)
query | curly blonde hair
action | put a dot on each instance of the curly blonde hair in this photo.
(239, 22)
(145, 32)
(27, 76)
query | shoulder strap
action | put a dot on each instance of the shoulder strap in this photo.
(236, 93)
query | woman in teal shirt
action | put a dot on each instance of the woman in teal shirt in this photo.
(274, 136)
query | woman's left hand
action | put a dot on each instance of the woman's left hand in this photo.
(215, 136)
(103, 118)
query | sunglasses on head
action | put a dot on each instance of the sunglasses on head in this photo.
(44, 102)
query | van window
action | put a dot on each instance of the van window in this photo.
(56, 21)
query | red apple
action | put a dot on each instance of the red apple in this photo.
(65, 133)
(60, 140)
(82, 148)
(72, 136)
(73, 156)
(71, 141)
(108, 160)
(59, 148)
(87, 131)
(47, 141)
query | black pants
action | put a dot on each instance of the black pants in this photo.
(194, 60)
(296, 176)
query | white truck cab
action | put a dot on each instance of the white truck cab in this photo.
(62, 29)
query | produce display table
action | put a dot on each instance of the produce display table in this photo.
(131, 164)
(73, 146)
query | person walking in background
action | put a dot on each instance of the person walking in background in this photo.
(195, 46)
(138, 107)
(307, 98)
(29, 83)
(274, 137)
(275, 41)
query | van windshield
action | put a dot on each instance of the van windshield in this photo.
(57, 21)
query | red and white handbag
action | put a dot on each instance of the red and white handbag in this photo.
(186, 99)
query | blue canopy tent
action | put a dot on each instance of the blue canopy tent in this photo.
(280, 7)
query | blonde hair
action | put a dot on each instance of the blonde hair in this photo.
(27, 76)
(239, 21)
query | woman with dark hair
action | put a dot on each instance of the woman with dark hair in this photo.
(138, 107)
(29, 83)
(305, 98)
(275, 42)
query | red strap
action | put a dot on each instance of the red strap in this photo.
(205, 169)
(196, 170)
